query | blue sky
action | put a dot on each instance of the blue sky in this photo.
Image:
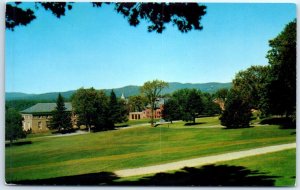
(96, 47)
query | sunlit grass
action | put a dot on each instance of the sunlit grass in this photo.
(133, 147)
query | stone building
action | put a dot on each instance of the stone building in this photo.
(37, 118)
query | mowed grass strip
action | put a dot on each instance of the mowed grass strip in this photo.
(130, 148)
(278, 166)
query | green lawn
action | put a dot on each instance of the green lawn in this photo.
(272, 169)
(281, 165)
(134, 147)
(135, 122)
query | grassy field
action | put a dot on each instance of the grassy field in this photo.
(273, 169)
(135, 122)
(134, 147)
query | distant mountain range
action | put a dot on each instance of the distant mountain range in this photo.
(127, 91)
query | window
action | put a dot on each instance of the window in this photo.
(48, 124)
(40, 125)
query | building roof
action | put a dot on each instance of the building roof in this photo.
(159, 102)
(45, 108)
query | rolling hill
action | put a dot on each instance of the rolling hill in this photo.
(127, 91)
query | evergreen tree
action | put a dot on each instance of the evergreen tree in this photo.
(61, 119)
(117, 110)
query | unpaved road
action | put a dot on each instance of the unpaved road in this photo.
(202, 160)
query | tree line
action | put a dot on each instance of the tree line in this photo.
(94, 109)
(270, 89)
(188, 104)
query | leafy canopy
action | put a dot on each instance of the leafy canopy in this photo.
(282, 59)
(152, 91)
(186, 16)
(13, 125)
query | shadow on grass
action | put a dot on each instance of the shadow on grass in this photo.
(18, 143)
(68, 131)
(120, 126)
(101, 178)
(285, 123)
(210, 175)
(243, 127)
(196, 123)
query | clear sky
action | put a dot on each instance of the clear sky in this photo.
(96, 47)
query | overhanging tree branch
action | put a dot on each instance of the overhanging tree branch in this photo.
(186, 16)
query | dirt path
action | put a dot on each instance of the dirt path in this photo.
(202, 160)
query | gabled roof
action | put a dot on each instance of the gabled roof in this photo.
(45, 108)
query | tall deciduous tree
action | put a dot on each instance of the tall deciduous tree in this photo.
(61, 119)
(190, 103)
(91, 107)
(251, 84)
(282, 59)
(152, 91)
(194, 106)
(136, 103)
(186, 16)
(13, 125)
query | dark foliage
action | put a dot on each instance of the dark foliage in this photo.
(210, 175)
(97, 111)
(61, 119)
(282, 59)
(210, 108)
(16, 16)
(194, 106)
(237, 113)
(188, 104)
(89, 105)
(171, 110)
(13, 125)
(186, 16)
(251, 84)
(117, 111)
(284, 122)
(57, 8)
